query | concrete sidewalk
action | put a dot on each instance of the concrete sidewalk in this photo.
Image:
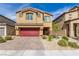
(39, 52)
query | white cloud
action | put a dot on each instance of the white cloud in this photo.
(11, 16)
(5, 10)
(24, 6)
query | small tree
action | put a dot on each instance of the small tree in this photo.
(55, 27)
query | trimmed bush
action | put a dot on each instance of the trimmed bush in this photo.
(63, 43)
(2, 40)
(65, 38)
(73, 45)
(49, 38)
(8, 38)
(44, 37)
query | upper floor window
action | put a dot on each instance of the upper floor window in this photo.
(38, 14)
(20, 14)
(70, 14)
(47, 18)
(29, 16)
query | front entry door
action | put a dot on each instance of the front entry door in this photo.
(75, 31)
(46, 31)
(68, 30)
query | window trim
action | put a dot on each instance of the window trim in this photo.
(28, 16)
(46, 20)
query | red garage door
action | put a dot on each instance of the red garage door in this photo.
(29, 31)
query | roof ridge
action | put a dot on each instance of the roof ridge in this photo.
(7, 18)
(34, 9)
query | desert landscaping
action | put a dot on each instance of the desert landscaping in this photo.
(39, 43)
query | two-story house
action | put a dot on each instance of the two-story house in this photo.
(69, 22)
(33, 22)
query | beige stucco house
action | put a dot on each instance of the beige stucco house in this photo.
(33, 22)
(69, 22)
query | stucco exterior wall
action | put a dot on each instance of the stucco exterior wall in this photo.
(73, 15)
(23, 19)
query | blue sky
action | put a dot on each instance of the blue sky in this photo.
(9, 9)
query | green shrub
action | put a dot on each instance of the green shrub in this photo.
(65, 38)
(73, 45)
(63, 43)
(49, 38)
(53, 36)
(44, 37)
(8, 38)
(2, 40)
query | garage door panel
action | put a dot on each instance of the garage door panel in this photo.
(29, 32)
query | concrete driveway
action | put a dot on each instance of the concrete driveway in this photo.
(23, 43)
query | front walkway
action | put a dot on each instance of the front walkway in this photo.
(23, 43)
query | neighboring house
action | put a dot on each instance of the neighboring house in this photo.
(69, 23)
(7, 26)
(33, 22)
